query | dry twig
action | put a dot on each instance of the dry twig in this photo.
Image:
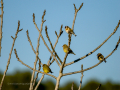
(1, 25)
(81, 77)
(37, 49)
(98, 87)
(50, 57)
(10, 54)
(52, 45)
(31, 67)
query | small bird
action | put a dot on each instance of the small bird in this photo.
(101, 57)
(46, 69)
(69, 30)
(66, 49)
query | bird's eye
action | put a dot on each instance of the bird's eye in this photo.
(65, 26)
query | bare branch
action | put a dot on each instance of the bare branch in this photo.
(10, 55)
(95, 64)
(81, 77)
(56, 33)
(72, 86)
(95, 48)
(52, 45)
(1, 16)
(37, 49)
(31, 67)
(64, 61)
(60, 33)
(30, 41)
(37, 72)
(44, 40)
(39, 82)
(50, 58)
(98, 87)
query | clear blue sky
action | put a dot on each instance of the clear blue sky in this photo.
(94, 23)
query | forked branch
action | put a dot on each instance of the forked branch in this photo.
(10, 54)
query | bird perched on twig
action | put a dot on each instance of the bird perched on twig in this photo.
(66, 49)
(46, 69)
(101, 57)
(69, 30)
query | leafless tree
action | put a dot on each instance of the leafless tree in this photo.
(61, 63)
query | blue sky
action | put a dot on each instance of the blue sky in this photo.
(94, 23)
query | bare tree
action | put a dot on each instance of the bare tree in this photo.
(55, 55)
(61, 63)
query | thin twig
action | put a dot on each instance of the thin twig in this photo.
(95, 48)
(10, 55)
(37, 49)
(1, 25)
(30, 41)
(45, 42)
(64, 61)
(58, 36)
(50, 58)
(52, 45)
(31, 67)
(37, 72)
(98, 87)
(81, 77)
(72, 86)
(39, 82)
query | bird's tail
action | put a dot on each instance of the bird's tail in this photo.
(105, 60)
(73, 53)
(51, 71)
(74, 34)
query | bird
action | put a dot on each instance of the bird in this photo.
(69, 30)
(101, 57)
(66, 49)
(46, 69)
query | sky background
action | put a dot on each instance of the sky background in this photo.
(95, 21)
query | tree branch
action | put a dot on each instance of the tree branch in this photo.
(30, 42)
(1, 25)
(95, 64)
(10, 55)
(98, 87)
(37, 49)
(95, 48)
(81, 77)
(45, 42)
(31, 67)
(52, 45)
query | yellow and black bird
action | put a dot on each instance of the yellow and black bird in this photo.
(101, 57)
(46, 69)
(69, 30)
(66, 49)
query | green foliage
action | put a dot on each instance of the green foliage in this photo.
(21, 80)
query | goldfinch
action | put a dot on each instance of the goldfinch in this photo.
(69, 30)
(66, 49)
(101, 57)
(46, 69)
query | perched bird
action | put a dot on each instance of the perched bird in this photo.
(69, 30)
(46, 68)
(66, 49)
(101, 57)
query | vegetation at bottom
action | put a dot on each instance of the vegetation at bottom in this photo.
(20, 81)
